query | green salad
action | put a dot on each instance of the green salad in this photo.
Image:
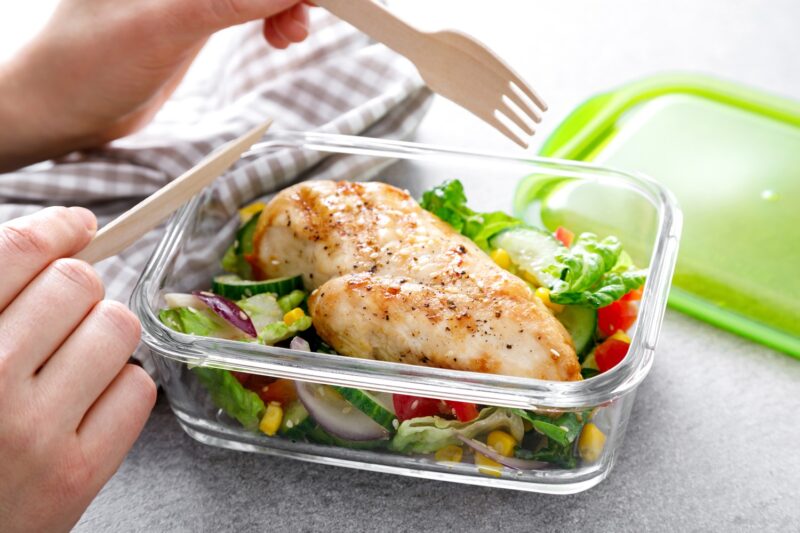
(589, 284)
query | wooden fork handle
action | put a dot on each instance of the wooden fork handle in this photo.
(379, 23)
(150, 212)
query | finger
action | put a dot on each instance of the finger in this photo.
(223, 13)
(274, 38)
(81, 369)
(29, 244)
(115, 420)
(46, 313)
(293, 23)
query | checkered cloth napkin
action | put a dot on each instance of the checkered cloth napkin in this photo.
(337, 81)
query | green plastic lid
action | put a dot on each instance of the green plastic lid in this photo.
(732, 157)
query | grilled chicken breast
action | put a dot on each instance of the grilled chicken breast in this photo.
(393, 282)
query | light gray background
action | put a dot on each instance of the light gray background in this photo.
(713, 439)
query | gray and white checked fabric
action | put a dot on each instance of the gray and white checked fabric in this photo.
(337, 81)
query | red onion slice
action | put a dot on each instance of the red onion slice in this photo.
(228, 311)
(336, 415)
(299, 343)
(494, 455)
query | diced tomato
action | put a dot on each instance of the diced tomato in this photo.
(242, 377)
(609, 353)
(406, 407)
(565, 236)
(617, 316)
(635, 294)
(279, 390)
(464, 411)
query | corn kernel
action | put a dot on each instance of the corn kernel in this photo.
(591, 443)
(293, 316)
(449, 454)
(530, 278)
(246, 213)
(621, 336)
(487, 466)
(272, 419)
(501, 257)
(543, 294)
(502, 442)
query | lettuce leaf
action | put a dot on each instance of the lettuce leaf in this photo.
(430, 433)
(448, 202)
(593, 272)
(279, 331)
(225, 390)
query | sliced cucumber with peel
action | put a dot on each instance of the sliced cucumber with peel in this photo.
(376, 405)
(296, 422)
(581, 323)
(320, 436)
(531, 250)
(235, 288)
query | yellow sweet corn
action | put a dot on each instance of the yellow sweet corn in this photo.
(487, 466)
(449, 454)
(501, 257)
(246, 213)
(621, 336)
(502, 442)
(293, 316)
(272, 419)
(530, 278)
(591, 443)
(543, 294)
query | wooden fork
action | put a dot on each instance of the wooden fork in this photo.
(150, 212)
(453, 65)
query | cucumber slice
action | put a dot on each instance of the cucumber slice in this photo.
(296, 421)
(235, 288)
(375, 405)
(320, 436)
(532, 250)
(581, 323)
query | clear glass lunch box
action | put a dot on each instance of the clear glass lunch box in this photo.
(185, 260)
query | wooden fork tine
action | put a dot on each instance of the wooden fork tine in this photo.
(493, 121)
(531, 110)
(514, 117)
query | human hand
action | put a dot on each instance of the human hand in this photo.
(70, 407)
(101, 69)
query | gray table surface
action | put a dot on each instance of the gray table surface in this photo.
(712, 443)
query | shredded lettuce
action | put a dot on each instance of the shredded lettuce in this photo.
(430, 433)
(563, 429)
(279, 331)
(263, 309)
(291, 300)
(593, 272)
(200, 322)
(448, 202)
(225, 390)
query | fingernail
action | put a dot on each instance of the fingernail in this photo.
(86, 216)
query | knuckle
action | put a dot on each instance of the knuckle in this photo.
(122, 320)
(23, 240)
(81, 275)
(142, 382)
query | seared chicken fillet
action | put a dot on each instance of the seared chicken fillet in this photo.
(393, 282)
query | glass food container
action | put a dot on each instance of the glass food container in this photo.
(188, 257)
